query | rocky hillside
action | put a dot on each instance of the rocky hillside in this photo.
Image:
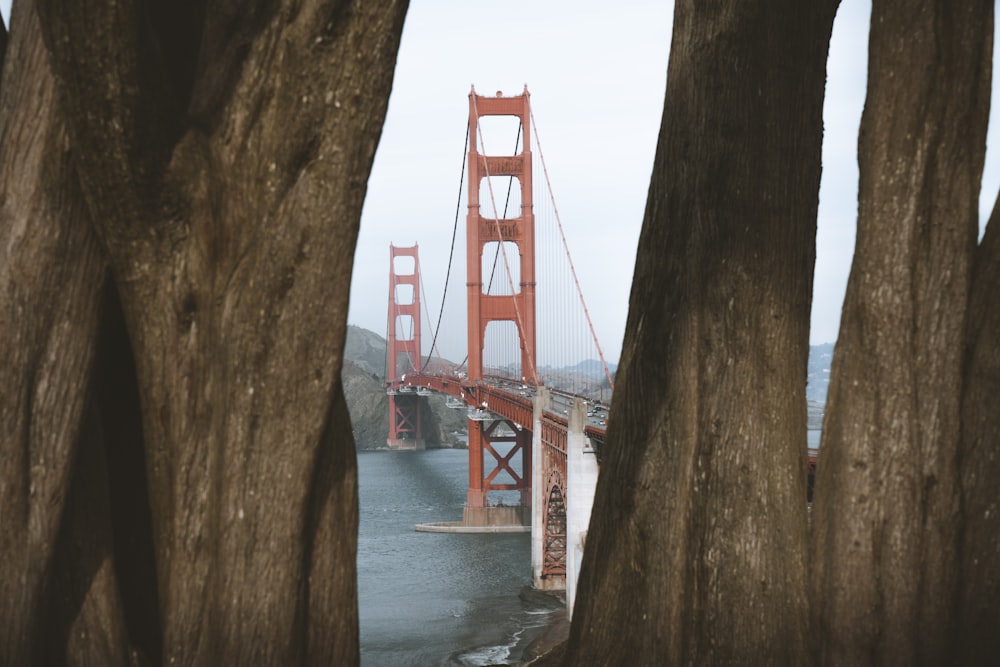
(366, 350)
(362, 377)
(367, 403)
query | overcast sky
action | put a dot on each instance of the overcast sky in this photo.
(597, 78)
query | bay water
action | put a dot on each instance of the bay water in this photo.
(439, 599)
(428, 599)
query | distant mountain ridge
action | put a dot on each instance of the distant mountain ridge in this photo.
(590, 367)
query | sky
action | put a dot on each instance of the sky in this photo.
(597, 78)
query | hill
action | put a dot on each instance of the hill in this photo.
(366, 350)
(362, 377)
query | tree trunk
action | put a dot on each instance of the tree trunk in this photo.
(225, 183)
(886, 513)
(979, 619)
(696, 552)
(3, 44)
(53, 572)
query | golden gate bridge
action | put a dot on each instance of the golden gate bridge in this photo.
(536, 417)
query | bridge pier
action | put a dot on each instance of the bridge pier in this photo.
(541, 404)
(405, 431)
(581, 484)
(475, 499)
(548, 534)
(502, 440)
(565, 470)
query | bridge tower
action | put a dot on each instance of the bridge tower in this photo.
(518, 308)
(403, 346)
(484, 308)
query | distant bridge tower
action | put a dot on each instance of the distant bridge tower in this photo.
(403, 346)
(517, 231)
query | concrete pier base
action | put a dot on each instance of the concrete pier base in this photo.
(498, 516)
(503, 519)
(459, 527)
(406, 444)
(581, 484)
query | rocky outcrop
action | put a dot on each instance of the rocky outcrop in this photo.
(366, 350)
(368, 405)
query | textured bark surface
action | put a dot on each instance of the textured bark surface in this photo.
(51, 273)
(696, 552)
(979, 640)
(222, 152)
(886, 510)
(3, 43)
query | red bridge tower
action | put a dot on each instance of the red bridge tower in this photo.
(403, 347)
(483, 308)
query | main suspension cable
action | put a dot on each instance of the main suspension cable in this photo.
(454, 231)
(423, 302)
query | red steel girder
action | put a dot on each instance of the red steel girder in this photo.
(404, 419)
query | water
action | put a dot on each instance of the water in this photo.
(429, 599)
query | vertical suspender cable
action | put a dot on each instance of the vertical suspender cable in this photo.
(562, 235)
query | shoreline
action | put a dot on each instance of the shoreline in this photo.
(551, 636)
(545, 637)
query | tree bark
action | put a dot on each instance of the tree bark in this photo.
(51, 277)
(979, 641)
(886, 510)
(3, 45)
(696, 552)
(225, 189)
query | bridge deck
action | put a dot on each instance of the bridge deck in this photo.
(507, 399)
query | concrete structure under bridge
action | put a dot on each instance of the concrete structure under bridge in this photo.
(565, 463)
